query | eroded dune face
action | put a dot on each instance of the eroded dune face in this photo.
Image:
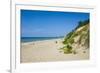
(82, 39)
(77, 39)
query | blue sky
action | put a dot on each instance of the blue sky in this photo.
(35, 23)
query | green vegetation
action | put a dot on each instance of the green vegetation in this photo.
(82, 23)
(67, 37)
(71, 41)
(83, 39)
(67, 49)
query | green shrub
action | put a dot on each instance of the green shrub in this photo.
(75, 34)
(67, 49)
(67, 37)
(71, 41)
(82, 23)
(65, 42)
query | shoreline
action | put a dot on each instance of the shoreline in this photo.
(42, 41)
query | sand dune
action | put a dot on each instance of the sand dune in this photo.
(48, 50)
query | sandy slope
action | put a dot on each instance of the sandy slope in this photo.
(48, 50)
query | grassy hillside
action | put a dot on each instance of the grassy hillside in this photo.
(77, 38)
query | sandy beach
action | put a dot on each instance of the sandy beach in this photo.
(48, 50)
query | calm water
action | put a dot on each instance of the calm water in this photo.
(30, 39)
